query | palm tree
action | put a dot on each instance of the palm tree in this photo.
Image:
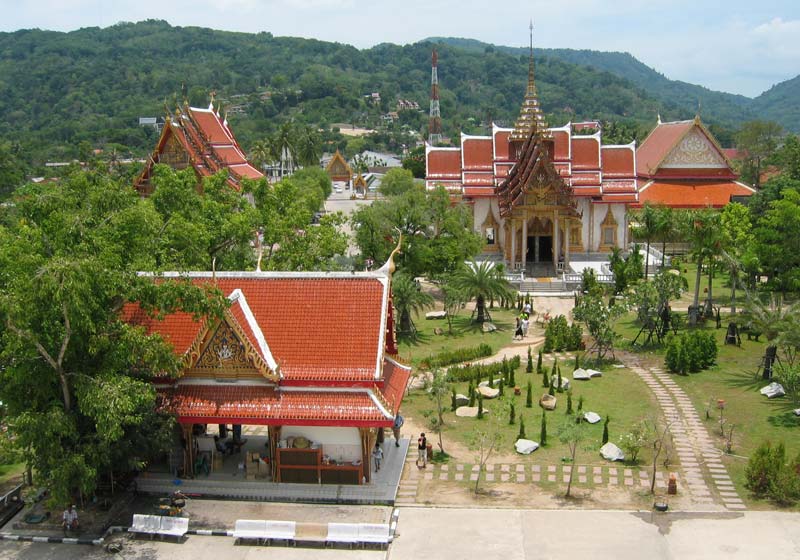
(283, 146)
(309, 146)
(668, 230)
(706, 244)
(408, 299)
(648, 226)
(481, 281)
(775, 321)
(261, 154)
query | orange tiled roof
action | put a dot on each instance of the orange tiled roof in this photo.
(478, 179)
(500, 139)
(477, 153)
(443, 163)
(260, 404)
(479, 192)
(585, 152)
(658, 144)
(318, 327)
(618, 162)
(395, 377)
(561, 148)
(692, 194)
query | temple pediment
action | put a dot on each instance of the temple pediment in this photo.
(693, 151)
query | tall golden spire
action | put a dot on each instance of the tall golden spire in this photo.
(531, 119)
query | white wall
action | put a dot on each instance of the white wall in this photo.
(342, 444)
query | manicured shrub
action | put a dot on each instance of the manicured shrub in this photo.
(512, 382)
(529, 366)
(560, 335)
(605, 430)
(471, 394)
(453, 400)
(569, 402)
(480, 405)
(580, 404)
(539, 368)
(521, 434)
(501, 387)
(690, 352)
(543, 430)
(763, 468)
(559, 381)
(552, 390)
(478, 372)
(512, 414)
(448, 357)
(529, 396)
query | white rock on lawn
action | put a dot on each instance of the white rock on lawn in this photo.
(581, 374)
(612, 452)
(526, 446)
(488, 392)
(436, 314)
(773, 390)
(469, 411)
(594, 373)
(591, 417)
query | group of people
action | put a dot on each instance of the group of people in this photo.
(523, 322)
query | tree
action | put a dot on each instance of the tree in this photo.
(632, 442)
(543, 429)
(75, 377)
(539, 369)
(529, 395)
(777, 236)
(484, 440)
(308, 146)
(758, 140)
(408, 298)
(660, 436)
(737, 242)
(396, 182)
(647, 225)
(415, 162)
(261, 154)
(521, 434)
(529, 366)
(788, 156)
(599, 320)
(12, 169)
(481, 281)
(438, 389)
(572, 434)
(605, 430)
(453, 302)
(706, 244)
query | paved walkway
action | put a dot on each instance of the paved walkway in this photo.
(699, 457)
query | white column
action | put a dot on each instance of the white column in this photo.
(513, 258)
(567, 227)
(525, 243)
(556, 236)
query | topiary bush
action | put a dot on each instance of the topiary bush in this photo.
(690, 352)
(449, 357)
(479, 371)
(560, 336)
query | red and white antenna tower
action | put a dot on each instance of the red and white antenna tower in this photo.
(435, 122)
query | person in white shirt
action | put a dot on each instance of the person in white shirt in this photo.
(69, 519)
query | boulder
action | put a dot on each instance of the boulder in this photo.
(438, 331)
(796, 411)
(591, 417)
(611, 452)
(581, 374)
(594, 373)
(488, 392)
(526, 446)
(548, 402)
(469, 411)
(436, 315)
(488, 327)
(483, 384)
(564, 382)
(461, 400)
(773, 390)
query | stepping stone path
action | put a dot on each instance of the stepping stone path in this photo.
(699, 457)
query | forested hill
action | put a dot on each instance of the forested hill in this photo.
(58, 90)
(781, 103)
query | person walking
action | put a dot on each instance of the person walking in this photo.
(398, 423)
(377, 455)
(525, 325)
(422, 449)
(518, 329)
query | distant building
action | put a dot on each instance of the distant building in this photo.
(202, 140)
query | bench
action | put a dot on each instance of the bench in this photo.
(343, 533)
(264, 531)
(159, 525)
(374, 533)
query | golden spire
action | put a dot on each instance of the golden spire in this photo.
(531, 119)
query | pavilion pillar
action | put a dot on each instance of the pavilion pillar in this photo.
(274, 433)
(567, 227)
(368, 438)
(590, 245)
(512, 261)
(524, 257)
(556, 239)
(188, 452)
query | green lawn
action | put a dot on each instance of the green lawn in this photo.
(9, 473)
(733, 379)
(619, 393)
(466, 334)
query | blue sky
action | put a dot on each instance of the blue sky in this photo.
(745, 47)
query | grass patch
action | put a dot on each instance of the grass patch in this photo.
(466, 334)
(619, 393)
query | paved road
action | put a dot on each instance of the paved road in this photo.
(512, 534)
(340, 202)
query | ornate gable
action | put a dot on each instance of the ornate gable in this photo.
(338, 169)
(693, 151)
(225, 353)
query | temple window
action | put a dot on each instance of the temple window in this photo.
(608, 231)
(490, 236)
(576, 236)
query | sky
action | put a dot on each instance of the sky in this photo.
(736, 46)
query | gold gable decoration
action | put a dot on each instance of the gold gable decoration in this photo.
(338, 168)
(225, 353)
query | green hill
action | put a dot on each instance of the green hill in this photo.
(59, 91)
(717, 107)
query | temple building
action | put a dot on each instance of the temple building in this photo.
(202, 140)
(339, 170)
(545, 198)
(281, 358)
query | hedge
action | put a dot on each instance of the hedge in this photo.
(459, 355)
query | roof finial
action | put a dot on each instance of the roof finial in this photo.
(530, 59)
(658, 121)
(699, 108)
(390, 266)
(212, 94)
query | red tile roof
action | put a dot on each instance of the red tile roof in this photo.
(585, 178)
(478, 192)
(658, 144)
(477, 153)
(618, 162)
(478, 179)
(585, 152)
(501, 144)
(395, 381)
(258, 404)
(561, 148)
(318, 327)
(692, 194)
(444, 163)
